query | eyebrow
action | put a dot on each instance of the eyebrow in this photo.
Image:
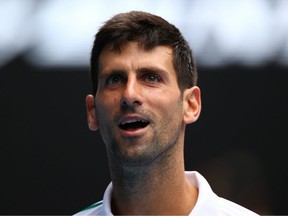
(140, 70)
(151, 70)
(111, 73)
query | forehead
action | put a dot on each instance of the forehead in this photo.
(132, 55)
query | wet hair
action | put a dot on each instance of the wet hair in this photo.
(149, 31)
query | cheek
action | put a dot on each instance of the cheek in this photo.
(176, 106)
(106, 108)
(172, 99)
(170, 109)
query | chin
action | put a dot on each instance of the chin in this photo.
(135, 159)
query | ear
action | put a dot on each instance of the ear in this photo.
(192, 104)
(91, 115)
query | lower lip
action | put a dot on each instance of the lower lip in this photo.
(134, 132)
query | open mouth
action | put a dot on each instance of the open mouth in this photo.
(133, 124)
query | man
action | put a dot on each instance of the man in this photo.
(144, 82)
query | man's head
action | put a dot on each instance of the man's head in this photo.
(148, 31)
(144, 88)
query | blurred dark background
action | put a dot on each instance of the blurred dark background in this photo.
(51, 163)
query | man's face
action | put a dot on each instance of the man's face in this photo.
(139, 106)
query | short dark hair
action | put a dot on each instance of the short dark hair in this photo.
(149, 31)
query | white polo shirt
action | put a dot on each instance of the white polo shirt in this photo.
(208, 203)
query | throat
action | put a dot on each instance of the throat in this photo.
(156, 196)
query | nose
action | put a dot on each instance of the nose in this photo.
(131, 94)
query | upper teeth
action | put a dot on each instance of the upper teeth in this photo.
(133, 121)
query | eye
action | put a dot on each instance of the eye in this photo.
(114, 80)
(152, 78)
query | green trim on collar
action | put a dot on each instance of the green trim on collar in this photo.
(93, 205)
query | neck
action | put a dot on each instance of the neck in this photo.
(159, 187)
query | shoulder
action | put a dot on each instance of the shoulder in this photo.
(230, 208)
(94, 209)
(208, 203)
